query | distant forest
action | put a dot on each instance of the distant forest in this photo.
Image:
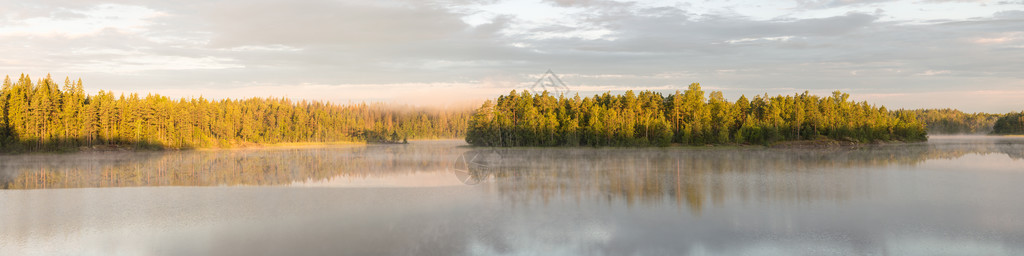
(689, 117)
(1011, 123)
(41, 115)
(952, 121)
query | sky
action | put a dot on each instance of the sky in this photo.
(967, 55)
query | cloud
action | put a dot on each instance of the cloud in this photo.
(74, 23)
(873, 47)
(344, 23)
(1001, 38)
(416, 94)
(820, 4)
(133, 64)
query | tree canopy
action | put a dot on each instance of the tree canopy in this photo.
(44, 116)
(952, 121)
(690, 117)
(1011, 123)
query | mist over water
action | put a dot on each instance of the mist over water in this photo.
(951, 195)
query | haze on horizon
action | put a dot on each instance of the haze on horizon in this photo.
(901, 54)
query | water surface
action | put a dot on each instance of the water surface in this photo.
(951, 195)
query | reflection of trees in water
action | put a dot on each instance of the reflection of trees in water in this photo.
(698, 177)
(1015, 151)
(658, 176)
(216, 168)
(694, 177)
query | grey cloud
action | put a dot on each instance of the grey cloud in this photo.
(1009, 14)
(407, 42)
(572, 2)
(592, 3)
(317, 22)
(805, 54)
(333, 42)
(822, 4)
(676, 32)
(363, 43)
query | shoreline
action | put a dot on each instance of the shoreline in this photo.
(132, 148)
(821, 143)
(284, 145)
(792, 144)
(832, 144)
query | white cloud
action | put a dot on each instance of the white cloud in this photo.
(271, 47)
(417, 94)
(760, 39)
(934, 72)
(536, 20)
(1001, 38)
(121, 18)
(139, 63)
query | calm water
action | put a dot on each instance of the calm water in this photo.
(950, 196)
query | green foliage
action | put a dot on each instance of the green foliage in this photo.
(952, 121)
(688, 117)
(43, 116)
(1011, 123)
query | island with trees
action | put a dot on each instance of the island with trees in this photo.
(43, 116)
(684, 118)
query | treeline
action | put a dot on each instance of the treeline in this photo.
(689, 117)
(952, 121)
(1011, 123)
(44, 116)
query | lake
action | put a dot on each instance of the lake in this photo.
(949, 196)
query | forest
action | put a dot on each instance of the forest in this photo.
(687, 118)
(1011, 123)
(952, 121)
(42, 116)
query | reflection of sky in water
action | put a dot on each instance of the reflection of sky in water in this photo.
(950, 196)
(438, 178)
